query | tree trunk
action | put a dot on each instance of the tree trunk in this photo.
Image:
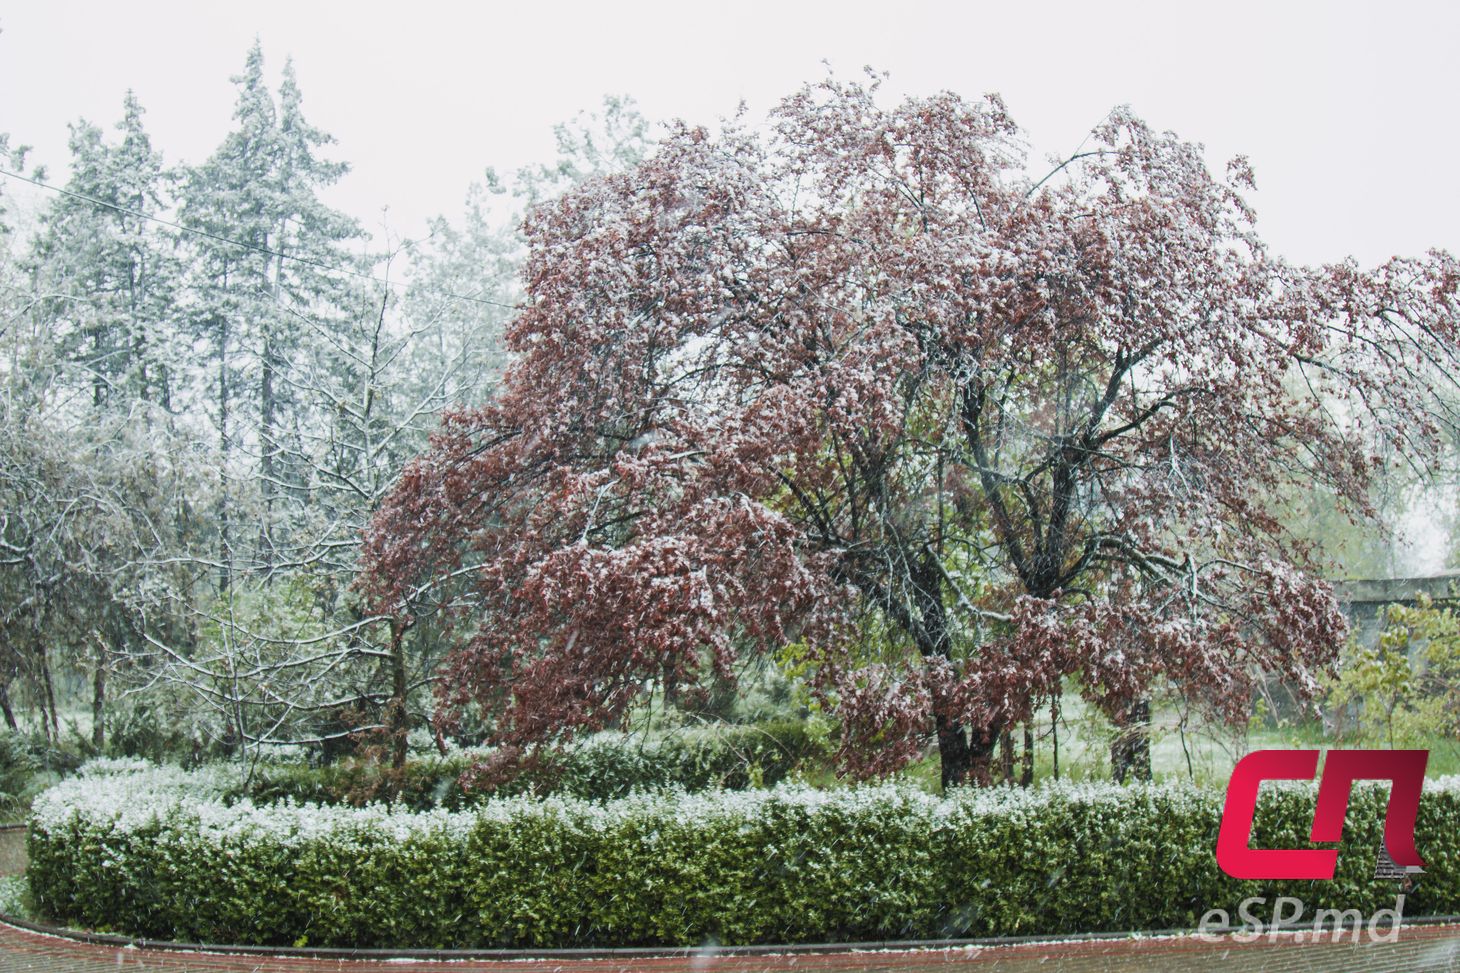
(271, 363)
(982, 750)
(1006, 755)
(1130, 753)
(1054, 732)
(1026, 775)
(98, 698)
(49, 720)
(225, 551)
(955, 757)
(963, 752)
(965, 757)
(6, 707)
(398, 721)
(267, 448)
(438, 736)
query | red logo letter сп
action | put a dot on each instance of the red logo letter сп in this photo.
(1404, 769)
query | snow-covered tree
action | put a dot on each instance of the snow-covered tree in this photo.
(464, 283)
(271, 280)
(863, 387)
(106, 276)
(611, 139)
(98, 509)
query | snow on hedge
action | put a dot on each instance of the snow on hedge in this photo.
(164, 852)
(127, 794)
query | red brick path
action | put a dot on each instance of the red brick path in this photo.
(1419, 949)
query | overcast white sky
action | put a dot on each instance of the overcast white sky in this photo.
(1348, 111)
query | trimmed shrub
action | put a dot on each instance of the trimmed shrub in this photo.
(28, 765)
(158, 852)
(607, 765)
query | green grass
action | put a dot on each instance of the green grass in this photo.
(1444, 749)
(1180, 750)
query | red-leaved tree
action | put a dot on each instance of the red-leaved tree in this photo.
(861, 384)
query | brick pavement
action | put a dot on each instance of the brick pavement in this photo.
(1419, 950)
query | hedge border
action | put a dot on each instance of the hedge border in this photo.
(651, 935)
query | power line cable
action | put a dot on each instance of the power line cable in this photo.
(239, 243)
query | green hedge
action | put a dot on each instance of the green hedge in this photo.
(158, 853)
(607, 765)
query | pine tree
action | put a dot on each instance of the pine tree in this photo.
(105, 274)
(269, 289)
(13, 158)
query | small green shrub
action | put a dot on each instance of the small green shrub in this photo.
(19, 763)
(14, 896)
(28, 765)
(159, 852)
(605, 766)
